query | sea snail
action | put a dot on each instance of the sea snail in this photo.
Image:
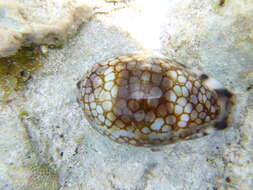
(145, 101)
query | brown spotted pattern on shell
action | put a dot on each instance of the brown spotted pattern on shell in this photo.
(147, 101)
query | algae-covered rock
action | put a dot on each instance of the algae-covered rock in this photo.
(17, 69)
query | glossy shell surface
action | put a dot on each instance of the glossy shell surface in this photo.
(146, 101)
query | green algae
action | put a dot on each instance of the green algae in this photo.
(17, 69)
(22, 114)
(43, 178)
(34, 177)
(222, 3)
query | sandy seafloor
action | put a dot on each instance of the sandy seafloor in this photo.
(53, 147)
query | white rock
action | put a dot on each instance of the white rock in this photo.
(39, 22)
